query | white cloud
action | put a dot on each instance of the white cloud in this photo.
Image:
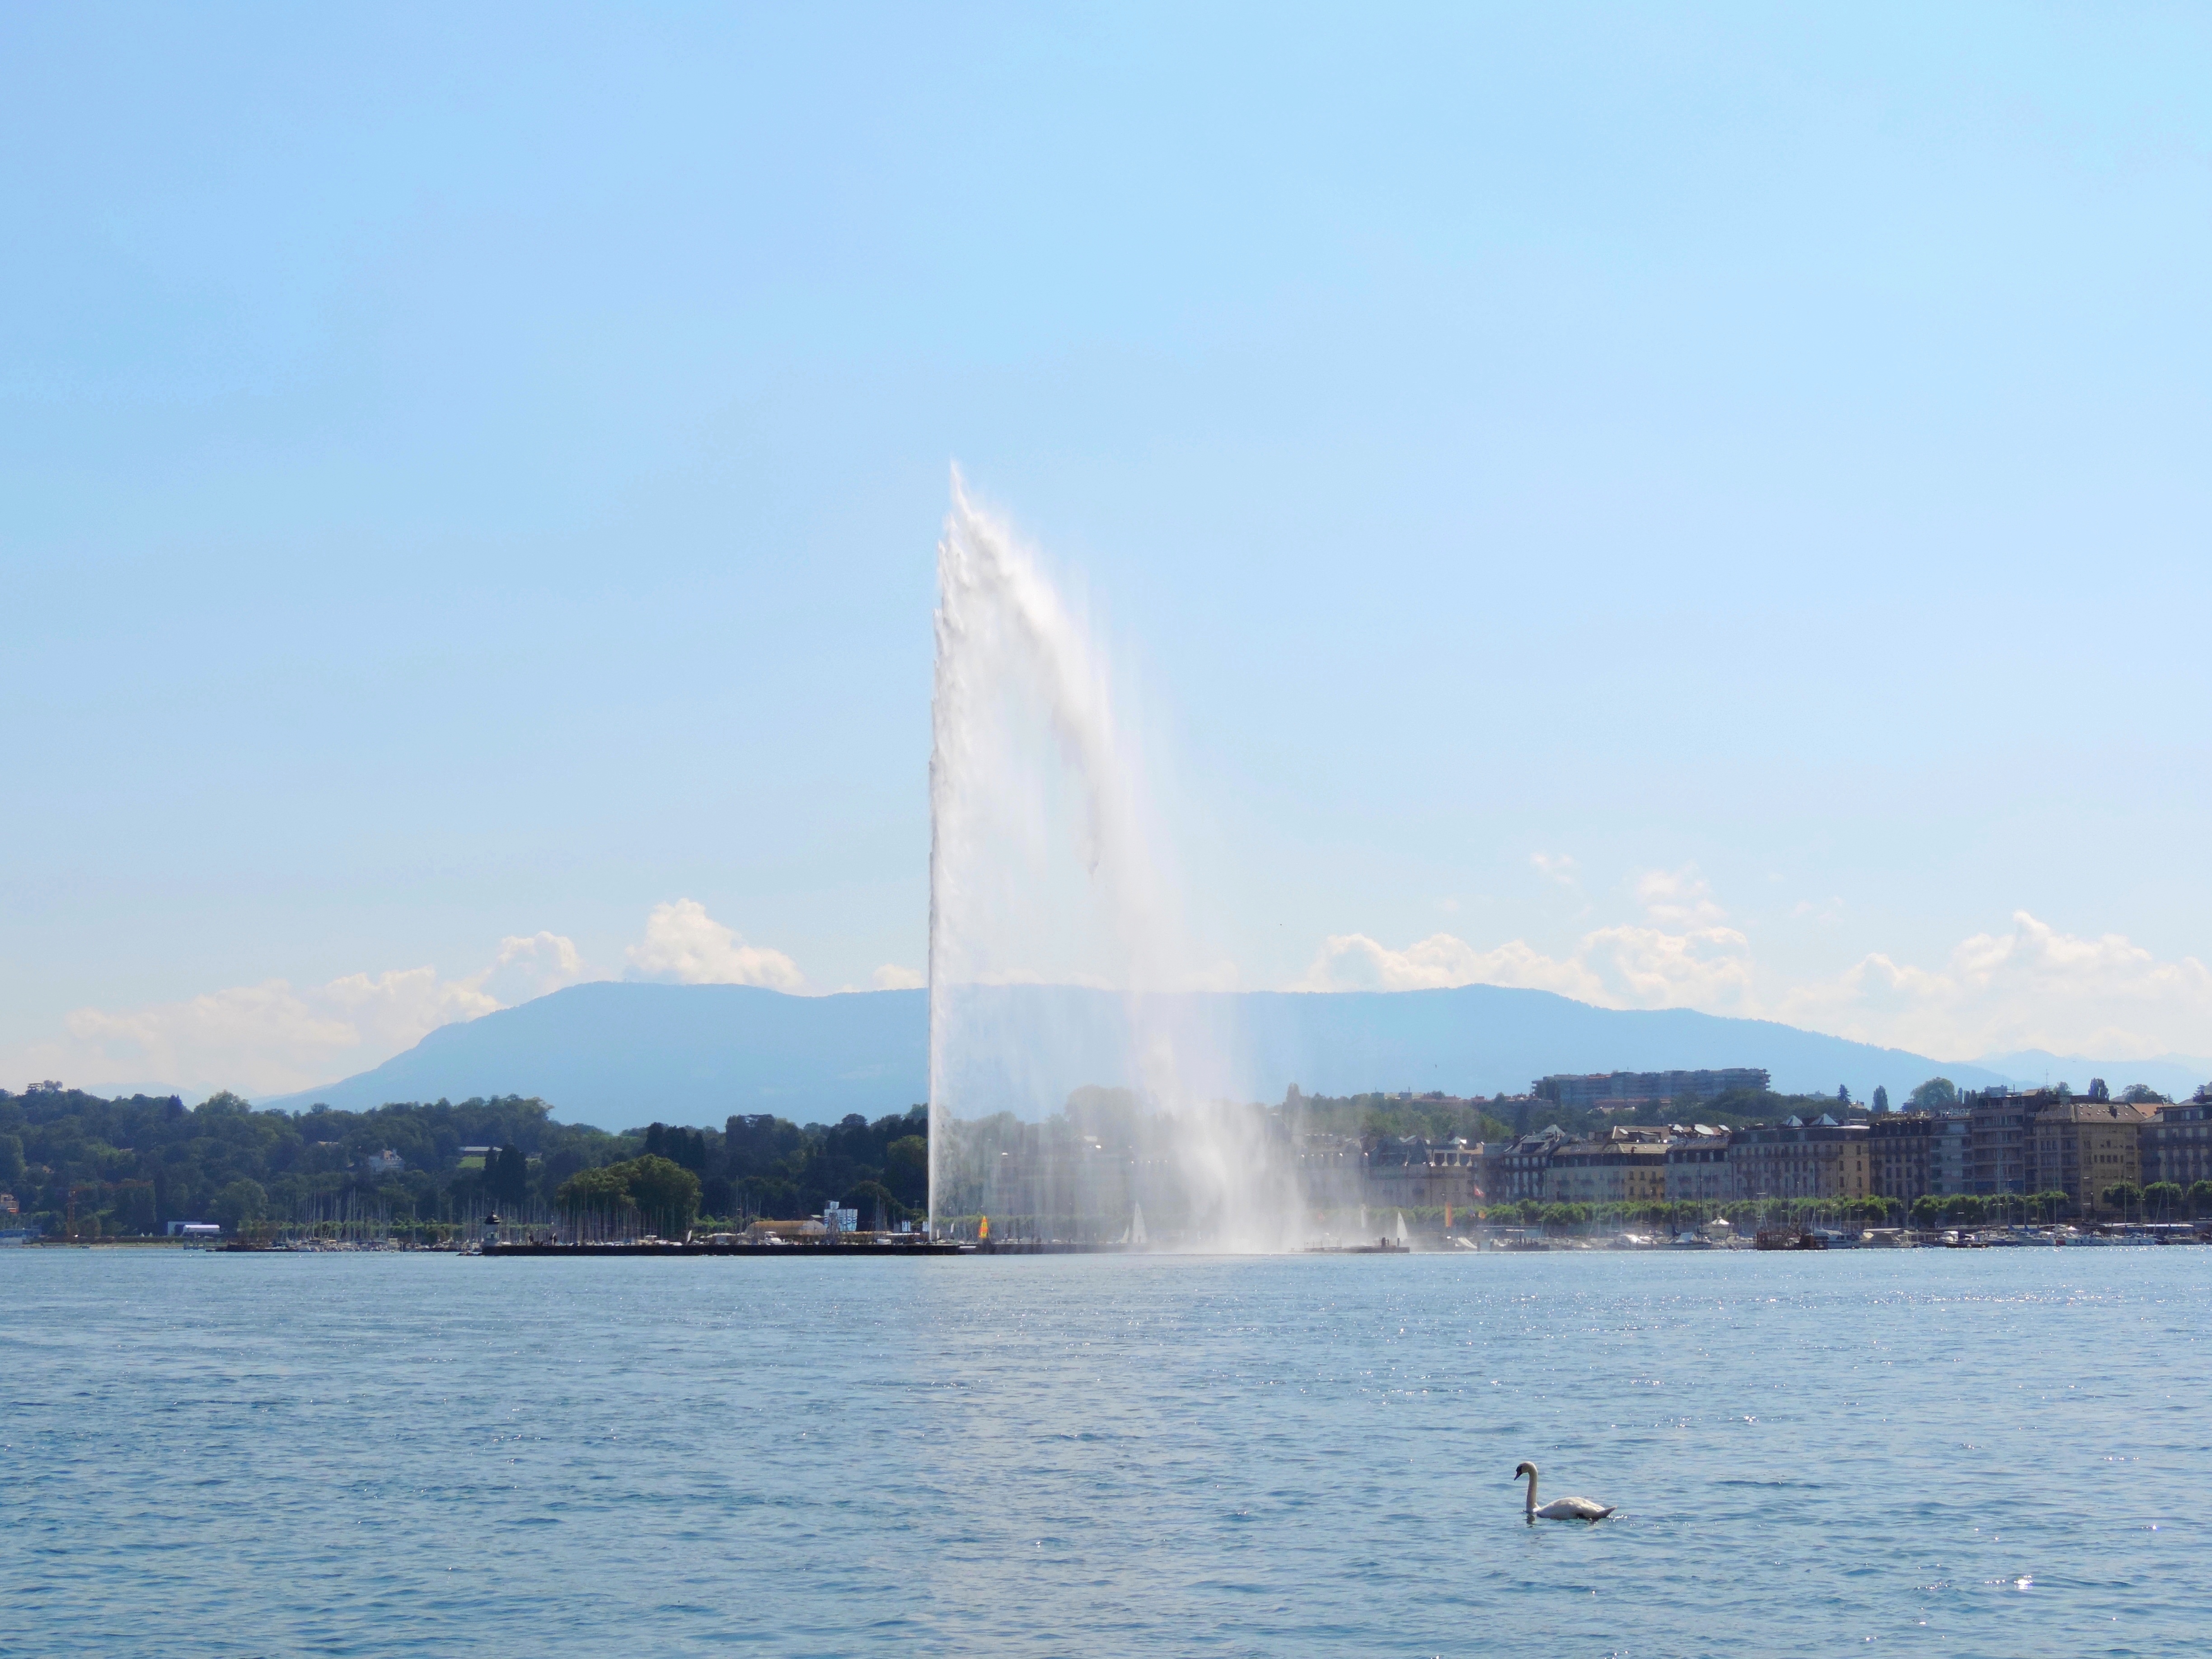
(1557, 867)
(1625, 967)
(263, 1038)
(1806, 910)
(1681, 898)
(1353, 962)
(394, 1009)
(272, 1038)
(1707, 968)
(892, 977)
(684, 943)
(2033, 986)
(275, 1038)
(531, 965)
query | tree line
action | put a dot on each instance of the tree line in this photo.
(2162, 1201)
(90, 1166)
(1374, 1117)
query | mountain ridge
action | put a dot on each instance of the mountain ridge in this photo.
(623, 1053)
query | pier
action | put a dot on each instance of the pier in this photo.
(906, 1245)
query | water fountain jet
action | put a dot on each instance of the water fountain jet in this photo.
(1055, 950)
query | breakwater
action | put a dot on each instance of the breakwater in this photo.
(812, 1248)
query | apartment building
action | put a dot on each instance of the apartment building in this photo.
(2177, 1144)
(1410, 1170)
(2080, 1147)
(1698, 1167)
(1898, 1155)
(1915, 1155)
(1514, 1170)
(1997, 1133)
(1796, 1159)
(1624, 1165)
(1948, 1162)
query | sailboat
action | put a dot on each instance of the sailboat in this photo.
(1135, 1232)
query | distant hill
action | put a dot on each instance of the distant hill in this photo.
(2177, 1075)
(621, 1054)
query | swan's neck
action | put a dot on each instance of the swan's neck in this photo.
(1532, 1492)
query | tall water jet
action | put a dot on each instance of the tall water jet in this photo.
(1073, 1072)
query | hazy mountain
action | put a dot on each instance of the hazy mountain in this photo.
(621, 1054)
(2178, 1075)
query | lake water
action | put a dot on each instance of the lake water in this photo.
(2002, 1452)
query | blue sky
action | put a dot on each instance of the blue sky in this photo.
(1686, 505)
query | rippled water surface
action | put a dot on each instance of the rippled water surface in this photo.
(2000, 1452)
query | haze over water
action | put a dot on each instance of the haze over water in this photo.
(1984, 1453)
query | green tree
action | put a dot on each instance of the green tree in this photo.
(665, 1193)
(241, 1202)
(1880, 1098)
(1962, 1209)
(601, 1191)
(718, 1196)
(2051, 1205)
(2141, 1094)
(873, 1199)
(2200, 1198)
(104, 1150)
(134, 1206)
(679, 1145)
(906, 1169)
(1937, 1094)
(2124, 1196)
(2162, 1199)
(507, 1175)
(2098, 1090)
(11, 1161)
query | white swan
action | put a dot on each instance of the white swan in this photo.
(1561, 1508)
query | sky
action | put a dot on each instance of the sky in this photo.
(1701, 506)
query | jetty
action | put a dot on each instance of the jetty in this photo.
(905, 1244)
